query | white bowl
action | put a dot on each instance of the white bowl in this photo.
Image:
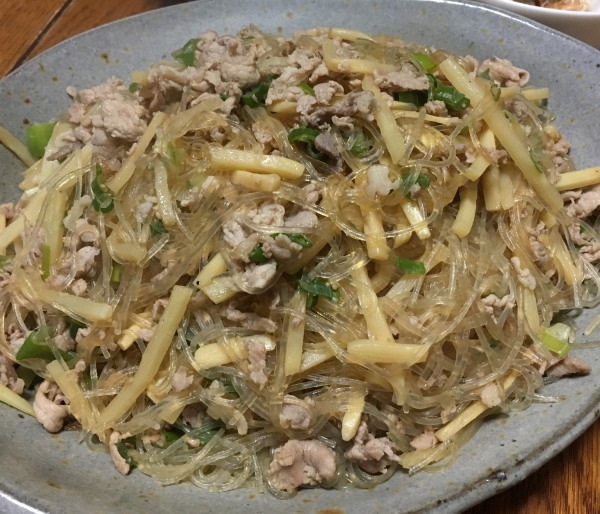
(582, 25)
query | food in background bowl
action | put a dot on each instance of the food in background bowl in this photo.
(566, 5)
(580, 24)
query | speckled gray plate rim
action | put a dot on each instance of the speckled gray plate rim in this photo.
(57, 474)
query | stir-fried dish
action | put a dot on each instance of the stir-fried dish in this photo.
(279, 263)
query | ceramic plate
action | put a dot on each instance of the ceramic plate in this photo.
(58, 474)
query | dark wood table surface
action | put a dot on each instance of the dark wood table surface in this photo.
(569, 483)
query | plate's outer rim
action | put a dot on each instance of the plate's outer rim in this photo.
(523, 460)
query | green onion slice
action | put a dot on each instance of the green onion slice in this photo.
(36, 346)
(451, 97)
(410, 267)
(362, 144)
(299, 239)
(157, 228)
(307, 136)
(556, 338)
(257, 255)
(426, 62)
(74, 327)
(124, 453)
(103, 201)
(306, 88)
(37, 138)
(317, 287)
(256, 96)
(411, 178)
(187, 53)
(418, 98)
(536, 162)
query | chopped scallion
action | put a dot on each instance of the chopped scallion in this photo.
(418, 98)
(187, 53)
(307, 136)
(362, 144)
(124, 453)
(412, 178)
(306, 88)
(486, 74)
(451, 97)
(74, 327)
(426, 62)
(556, 338)
(410, 267)
(317, 287)
(103, 201)
(28, 376)
(536, 162)
(303, 134)
(496, 91)
(38, 136)
(256, 96)
(36, 346)
(299, 239)
(157, 228)
(257, 255)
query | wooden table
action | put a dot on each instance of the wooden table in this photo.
(569, 483)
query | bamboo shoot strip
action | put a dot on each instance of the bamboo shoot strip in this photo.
(294, 325)
(497, 122)
(473, 411)
(466, 211)
(14, 400)
(79, 405)
(390, 131)
(406, 354)
(86, 308)
(28, 215)
(578, 179)
(121, 177)
(215, 267)
(353, 416)
(152, 358)
(377, 325)
(228, 159)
